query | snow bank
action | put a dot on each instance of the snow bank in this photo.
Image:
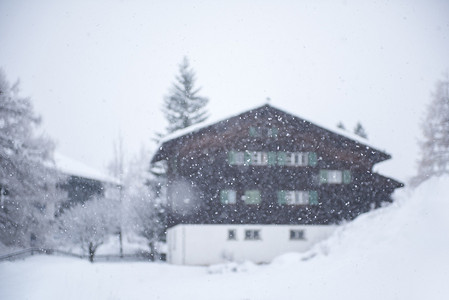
(400, 251)
(397, 252)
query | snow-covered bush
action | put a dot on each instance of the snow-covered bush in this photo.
(144, 211)
(88, 225)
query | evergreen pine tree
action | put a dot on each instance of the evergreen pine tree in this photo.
(184, 107)
(434, 160)
(360, 131)
(25, 182)
(341, 125)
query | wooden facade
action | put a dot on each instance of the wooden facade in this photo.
(266, 166)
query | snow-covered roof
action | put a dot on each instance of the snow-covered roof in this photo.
(72, 167)
(209, 122)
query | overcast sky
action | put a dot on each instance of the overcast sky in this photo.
(95, 69)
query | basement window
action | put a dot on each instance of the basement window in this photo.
(252, 234)
(297, 235)
(232, 235)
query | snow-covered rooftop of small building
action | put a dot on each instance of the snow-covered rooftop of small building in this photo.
(211, 121)
(72, 167)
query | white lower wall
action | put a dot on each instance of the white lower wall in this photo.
(209, 244)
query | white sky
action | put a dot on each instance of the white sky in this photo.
(95, 69)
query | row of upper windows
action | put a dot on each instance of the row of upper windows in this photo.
(260, 158)
(254, 234)
(263, 132)
(287, 196)
(252, 197)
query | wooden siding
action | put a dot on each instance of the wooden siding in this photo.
(199, 168)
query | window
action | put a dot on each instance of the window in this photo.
(297, 159)
(297, 197)
(335, 176)
(228, 197)
(273, 132)
(262, 132)
(282, 157)
(252, 197)
(259, 158)
(297, 234)
(232, 236)
(255, 131)
(252, 234)
(236, 158)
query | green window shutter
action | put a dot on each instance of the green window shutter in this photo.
(174, 164)
(347, 176)
(313, 198)
(224, 197)
(252, 131)
(312, 159)
(256, 197)
(273, 132)
(281, 158)
(271, 158)
(231, 157)
(247, 156)
(323, 176)
(281, 197)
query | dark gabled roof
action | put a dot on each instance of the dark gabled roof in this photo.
(177, 138)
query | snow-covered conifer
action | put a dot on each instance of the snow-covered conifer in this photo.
(341, 125)
(25, 181)
(183, 106)
(434, 159)
(360, 131)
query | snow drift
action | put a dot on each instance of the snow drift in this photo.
(396, 252)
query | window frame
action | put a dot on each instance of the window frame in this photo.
(253, 235)
(232, 234)
(297, 235)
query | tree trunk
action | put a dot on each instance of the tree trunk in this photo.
(121, 242)
(152, 251)
(91, 252)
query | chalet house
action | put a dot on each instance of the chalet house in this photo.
(80, 181)
(262, 183)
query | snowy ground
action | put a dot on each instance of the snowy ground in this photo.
(398, 252)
